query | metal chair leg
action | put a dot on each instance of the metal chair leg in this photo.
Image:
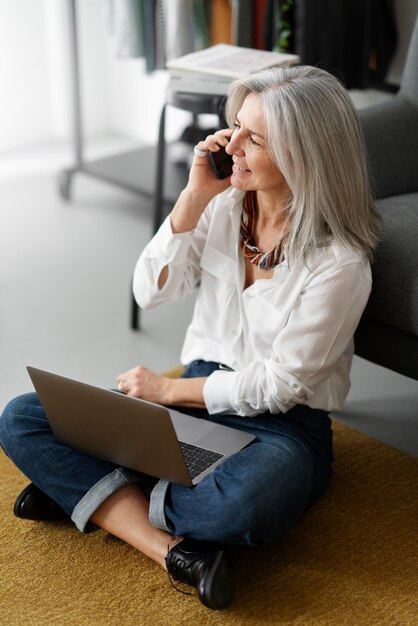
(135, 314)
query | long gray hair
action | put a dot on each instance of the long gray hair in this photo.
(315, 139)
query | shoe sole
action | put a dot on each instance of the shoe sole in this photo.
(215, 591)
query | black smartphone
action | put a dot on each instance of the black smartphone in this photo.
(221, 162)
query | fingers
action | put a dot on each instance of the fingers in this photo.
(214, 142)
(122, 383)
(202, 176)
(125, 381)
(139, 382)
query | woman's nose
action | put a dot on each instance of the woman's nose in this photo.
(234, 146)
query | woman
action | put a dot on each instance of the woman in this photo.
(281, 251)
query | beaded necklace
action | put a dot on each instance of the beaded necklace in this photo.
(263, 260)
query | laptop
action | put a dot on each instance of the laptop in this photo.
(134, 433)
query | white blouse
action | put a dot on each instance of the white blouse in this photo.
(289, 339)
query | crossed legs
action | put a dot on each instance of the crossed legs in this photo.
(125, 514)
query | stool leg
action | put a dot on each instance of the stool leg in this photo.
(135, 314)
(159, 177)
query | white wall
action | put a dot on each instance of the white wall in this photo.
(24, 98)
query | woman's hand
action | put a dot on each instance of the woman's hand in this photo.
(202, 185)
(140, 382)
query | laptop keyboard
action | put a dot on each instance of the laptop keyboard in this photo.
(198, 459)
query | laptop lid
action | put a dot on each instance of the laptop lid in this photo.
(130, 432)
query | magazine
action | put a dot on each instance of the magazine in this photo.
(228, 61)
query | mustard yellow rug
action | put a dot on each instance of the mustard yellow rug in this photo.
(352, 560)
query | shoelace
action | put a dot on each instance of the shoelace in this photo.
(178, 566)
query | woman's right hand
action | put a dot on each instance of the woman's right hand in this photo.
(202, 186)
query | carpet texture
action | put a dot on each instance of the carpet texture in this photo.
(352, 560)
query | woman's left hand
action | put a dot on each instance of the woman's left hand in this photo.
(140, 382)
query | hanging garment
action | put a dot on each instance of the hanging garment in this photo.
(355, 39)
(243, 13)
(221, 22)
(125, 22)
(137, 30)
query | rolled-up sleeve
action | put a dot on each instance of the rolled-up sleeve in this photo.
(180, 254)
(256, 389)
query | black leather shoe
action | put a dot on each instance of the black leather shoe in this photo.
(202, 564)
(34, 504)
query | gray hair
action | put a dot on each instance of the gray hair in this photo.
(315, 139)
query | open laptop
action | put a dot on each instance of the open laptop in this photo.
(134, 433)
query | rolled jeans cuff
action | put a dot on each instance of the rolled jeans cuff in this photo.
(156, 513)
(95, 496)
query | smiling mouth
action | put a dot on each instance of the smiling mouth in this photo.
(238, 170)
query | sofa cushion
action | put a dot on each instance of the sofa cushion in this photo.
(391, 135)
(394, 297)
(388, 346)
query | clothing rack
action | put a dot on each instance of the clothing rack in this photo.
(133, 170)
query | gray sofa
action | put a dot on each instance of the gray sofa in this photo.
(388, 331)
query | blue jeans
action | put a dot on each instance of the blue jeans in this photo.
(249, 499)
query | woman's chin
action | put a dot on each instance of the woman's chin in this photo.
(239, 181)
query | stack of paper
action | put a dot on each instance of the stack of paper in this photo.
(213, 69)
